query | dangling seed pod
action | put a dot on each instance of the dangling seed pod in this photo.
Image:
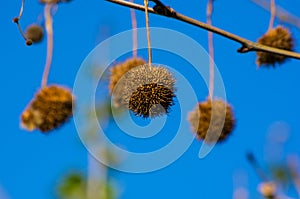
(148, 91)
(50, 108)
(34, 34)
(209, 118)
(278, 37)
(117, 72)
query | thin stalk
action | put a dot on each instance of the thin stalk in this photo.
(49, 31)
(134, 32)
(293, 164)
(17, 20)
(148, 33)
(259, 171)
(273, 14)
(209, 11)
(282, 14)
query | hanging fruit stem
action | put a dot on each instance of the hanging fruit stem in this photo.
(49, 30)
(148, 33)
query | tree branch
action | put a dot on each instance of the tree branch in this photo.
(247, 45)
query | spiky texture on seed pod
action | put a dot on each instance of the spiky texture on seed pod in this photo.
(34, 33)
(147, 90)
(117, 72)
(50, 108)
(278, 37)
(215, 116)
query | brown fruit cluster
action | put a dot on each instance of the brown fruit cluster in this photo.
(118, 71)
(212, 120)
(278, 37)
(147, 90)
(49, 109)
(34, 34)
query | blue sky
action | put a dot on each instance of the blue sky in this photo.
(32, 163)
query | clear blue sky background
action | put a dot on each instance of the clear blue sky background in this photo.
(32, 163)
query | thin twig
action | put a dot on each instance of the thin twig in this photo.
(281, 13)
(49, 30)
(247, 45)
(21, 9)
(148, 32)
(273, 14)
(134, 32)
(254, 163)
(210, 49)
(17, 20)
(293, 164)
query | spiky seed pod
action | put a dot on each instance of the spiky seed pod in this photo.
(117, 72)
(212, 120)
(151, 100)
(278, 37)
(147, 90)
(34, 33)
(50, 108)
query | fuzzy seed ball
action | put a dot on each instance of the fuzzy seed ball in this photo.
(147, 90)
(278, 37)
(216, 115)
(49, 109)
(117, 72)
(34, 33)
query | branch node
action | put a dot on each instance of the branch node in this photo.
(245, 48)
(161, 9)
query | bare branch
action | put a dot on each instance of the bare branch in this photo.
(247, 45)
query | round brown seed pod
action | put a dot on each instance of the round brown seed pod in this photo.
(34, 33)
(147, 90)
(212, 120)
(278, 37)
(117, 72)
(49, 109)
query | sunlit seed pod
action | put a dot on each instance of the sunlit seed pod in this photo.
(267, 189)
(147, 90)
(51, 107)
(117, 72)
(278, 37)
(212, 120)
(34, 33)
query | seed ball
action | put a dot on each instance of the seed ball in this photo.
(147, 90)
(34, 33)
(117, 72)
(50, 108)
(278, 37)
(212, 120)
